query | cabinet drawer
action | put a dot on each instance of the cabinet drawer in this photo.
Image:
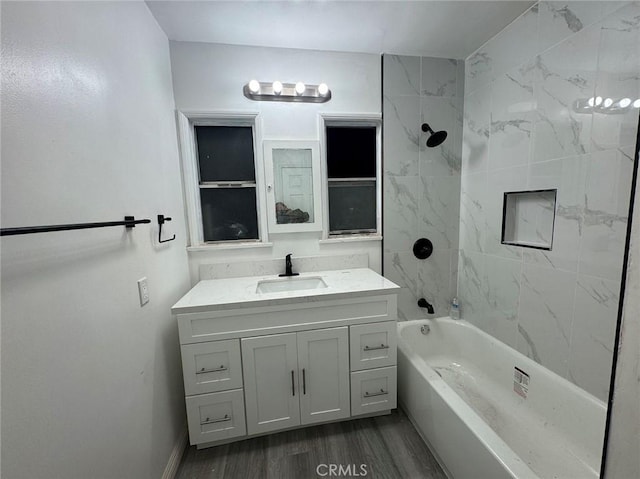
(216, 416)
(373, 345)
(210, 367)
(373, 390)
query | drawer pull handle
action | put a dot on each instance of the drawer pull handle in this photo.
(381, 393)
(382, 346)
(212, 421)
(215, 370)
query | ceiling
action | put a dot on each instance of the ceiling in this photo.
(449, 29)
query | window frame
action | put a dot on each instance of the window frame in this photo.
(350, 120)
(191, 178)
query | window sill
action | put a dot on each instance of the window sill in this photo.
(225, 246)
(351, 239)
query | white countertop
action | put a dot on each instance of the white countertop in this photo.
(230, 293)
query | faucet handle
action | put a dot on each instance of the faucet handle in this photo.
(288, 256)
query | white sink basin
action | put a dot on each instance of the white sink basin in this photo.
(294, 283)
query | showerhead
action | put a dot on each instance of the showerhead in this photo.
(436, 137)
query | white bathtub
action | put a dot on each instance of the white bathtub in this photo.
(456, 384)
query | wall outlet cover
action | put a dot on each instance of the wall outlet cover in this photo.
(143, 291)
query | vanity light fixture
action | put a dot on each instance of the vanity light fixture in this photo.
(607, 105)
(293, 92)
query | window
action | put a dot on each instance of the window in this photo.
(227, 182)
(221, 171)
(352, 151)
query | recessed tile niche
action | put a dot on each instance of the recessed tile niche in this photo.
(528, 218)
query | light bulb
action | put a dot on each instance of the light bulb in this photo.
(323, 89)
(625, 102)
(592, 101)
(636, 104)
(254, 86)
(300, 88)
(608, 102)
(277, 87)
(598, 100)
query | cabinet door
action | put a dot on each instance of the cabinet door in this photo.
(323, 365)
(270, 369)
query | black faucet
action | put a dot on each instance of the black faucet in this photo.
(288, 271)
(423, 303)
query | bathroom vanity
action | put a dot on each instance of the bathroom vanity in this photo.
(263, 354)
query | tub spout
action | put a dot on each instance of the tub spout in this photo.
(423, 303)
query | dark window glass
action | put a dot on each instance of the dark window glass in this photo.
(229, 213)
(225, 153)
(352, 206)
(351, 152)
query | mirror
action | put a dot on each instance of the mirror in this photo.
(293, 186)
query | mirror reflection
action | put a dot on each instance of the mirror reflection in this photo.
(293, 185)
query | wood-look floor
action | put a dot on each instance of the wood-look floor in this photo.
(388, 446)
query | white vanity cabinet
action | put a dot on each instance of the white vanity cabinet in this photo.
(285, 360)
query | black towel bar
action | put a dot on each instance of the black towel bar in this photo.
(128, 222)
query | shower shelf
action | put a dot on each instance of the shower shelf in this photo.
(528, 218)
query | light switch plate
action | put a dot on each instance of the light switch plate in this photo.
(143, 291)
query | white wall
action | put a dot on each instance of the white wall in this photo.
(92, 385)
(210, 77)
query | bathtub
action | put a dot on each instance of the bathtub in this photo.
(487, 411)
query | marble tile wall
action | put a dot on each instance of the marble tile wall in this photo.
(521, 132)
(421, 186)
(303, 264)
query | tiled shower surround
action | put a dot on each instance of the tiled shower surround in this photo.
(421, 186)
(521, 132)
